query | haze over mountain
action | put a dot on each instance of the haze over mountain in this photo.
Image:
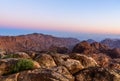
(81, 36)
(113, 43)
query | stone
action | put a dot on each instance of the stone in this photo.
(45, 61)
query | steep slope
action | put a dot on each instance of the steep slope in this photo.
(34, 42)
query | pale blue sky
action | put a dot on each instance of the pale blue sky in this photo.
(50, 16)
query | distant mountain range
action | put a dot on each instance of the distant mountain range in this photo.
(35, 42)
(113, 43)
(41, 42)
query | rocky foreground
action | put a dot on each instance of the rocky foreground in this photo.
(21, 66)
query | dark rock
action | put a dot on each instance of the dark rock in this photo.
(96, 74)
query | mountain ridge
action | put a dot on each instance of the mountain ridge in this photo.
(35, 42)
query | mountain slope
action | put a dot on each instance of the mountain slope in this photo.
(113, 43)
(34, 42)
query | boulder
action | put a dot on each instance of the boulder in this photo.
(84, 60)
(102, 59)
(115, 64)
(2, 54)
(71, 64)
(45, 61)
(96, 74)
(54, 74)
(12, 77)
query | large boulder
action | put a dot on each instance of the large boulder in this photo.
(71, 64)
(53, 74)
(84, 60)
(102, 59)
(96, 74)
(45, 60)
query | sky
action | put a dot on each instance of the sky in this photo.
(83, 19)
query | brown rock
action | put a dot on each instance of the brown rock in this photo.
(2, 54)
(87, 48)
(43, 75)
(34, 42)
(45, 61)
(54, 74)
(13, 77)
(18, 55)
(115, 64)
(102, 59)
(22, 55)
(115, 53)
(84, 60)
(71, 64)
(96, 74)
(56, 49)
(7, 64)
(82, 47)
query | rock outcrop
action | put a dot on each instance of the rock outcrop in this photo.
(61, 67)
(10, 64)
(87, 48)
(96, 74)
(54, 74)
(45, 60)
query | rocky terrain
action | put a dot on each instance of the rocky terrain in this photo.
(85, 62)
(35, 42)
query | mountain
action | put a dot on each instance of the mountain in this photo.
(113, 43)
(91, 40)
(34, 42)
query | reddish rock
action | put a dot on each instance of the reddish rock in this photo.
(82, 47)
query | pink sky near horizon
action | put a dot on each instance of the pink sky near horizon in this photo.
(59, 27)
(74, 16)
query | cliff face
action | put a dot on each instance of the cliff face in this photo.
(34, 42)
